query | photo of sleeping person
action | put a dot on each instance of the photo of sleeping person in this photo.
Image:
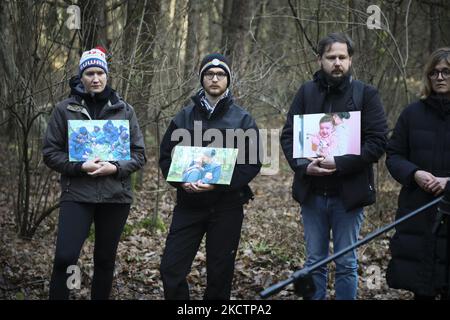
(195, 171)
(203, 169)
(202, 165)
(213, 169)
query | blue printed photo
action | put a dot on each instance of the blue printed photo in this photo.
(108, 140)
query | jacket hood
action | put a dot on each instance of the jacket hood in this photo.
(76, 86)
(77, 91)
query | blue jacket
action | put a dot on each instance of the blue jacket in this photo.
(215, 169)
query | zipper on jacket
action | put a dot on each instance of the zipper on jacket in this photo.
(104, 110)
(327, 97)
(108, 108)
(67, 184)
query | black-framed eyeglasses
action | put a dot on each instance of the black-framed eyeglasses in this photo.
(220, 75)
(434, 74)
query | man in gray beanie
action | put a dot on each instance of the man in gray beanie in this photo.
(203, 207)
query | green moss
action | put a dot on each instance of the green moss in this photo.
(152, 224)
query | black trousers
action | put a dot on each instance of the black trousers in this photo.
(223, 231)
(75, 220)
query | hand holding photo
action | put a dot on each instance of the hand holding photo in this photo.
(202, 165)
(327, 134)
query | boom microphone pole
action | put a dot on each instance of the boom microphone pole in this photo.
(443, 209)
(302, 278)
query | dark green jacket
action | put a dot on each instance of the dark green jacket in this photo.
(77, 185)
(226, 116)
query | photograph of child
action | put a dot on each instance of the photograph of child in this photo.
(327, 134)
(324, 142)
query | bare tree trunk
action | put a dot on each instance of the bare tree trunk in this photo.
(226, 19)
(93, 23)
(7, 64)
(151, 19)
(133, 13)
(6, 47)
(257, 25)
(434, 18)
(352, 18)
(193, 41)
(236, 32)
(212, 26)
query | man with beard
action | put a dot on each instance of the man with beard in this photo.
(204, 207)
(333, 190)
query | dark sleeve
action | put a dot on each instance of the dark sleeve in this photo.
(400, 168)
(373, 136)
(54, 151)
(298, 165)
(165, 153)
(246, 170)
(137, 149)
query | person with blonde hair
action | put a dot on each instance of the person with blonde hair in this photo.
(92, 191)
(418, 157)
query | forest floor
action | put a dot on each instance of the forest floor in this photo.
(271, 248)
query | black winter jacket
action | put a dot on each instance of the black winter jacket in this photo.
(354, 172)
(77, 185)
(421, 141)
(226, 115)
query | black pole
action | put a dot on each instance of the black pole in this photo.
(307, 270)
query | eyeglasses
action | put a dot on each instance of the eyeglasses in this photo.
(220, 75)
(445, 73)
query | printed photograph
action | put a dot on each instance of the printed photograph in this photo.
(108, 140)
(204, 164)
(327, 134)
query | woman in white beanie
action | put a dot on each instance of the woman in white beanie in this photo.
(94, 190)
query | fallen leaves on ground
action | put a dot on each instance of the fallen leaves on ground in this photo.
(271, 248)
